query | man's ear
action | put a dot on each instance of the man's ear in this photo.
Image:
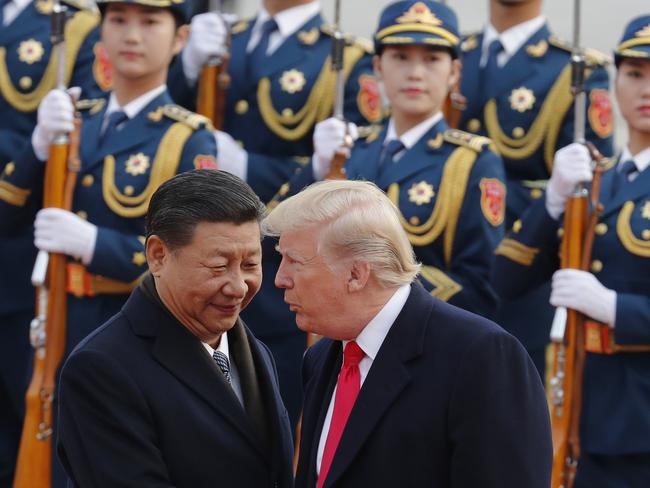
(359, 276)
(157, 253)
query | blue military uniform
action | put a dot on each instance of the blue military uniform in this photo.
(615, 417)
(27, 73)
(528, 115)
(272, 113)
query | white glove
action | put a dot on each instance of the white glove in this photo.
(55, 115)
(581, 291)
(60, 231)
(572, 165)
(329, 136)
(207, 39)
(230, 155)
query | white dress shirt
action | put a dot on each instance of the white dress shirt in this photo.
(234, 374)
(12, 10)
(134, 107)
(288, 20)
(411, 136)
(370, 341)
(511, 39)
(641, 160)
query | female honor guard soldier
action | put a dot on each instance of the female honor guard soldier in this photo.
(615, 293)
(447, 184)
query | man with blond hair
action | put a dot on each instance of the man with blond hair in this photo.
(404, 389)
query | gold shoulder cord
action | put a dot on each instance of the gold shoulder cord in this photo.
(165, 165)
(630, 242)
(76, 32)
(547, 124)
(318, 106)
(447, 208)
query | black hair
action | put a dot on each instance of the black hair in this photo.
(379, 50)
(203, 195)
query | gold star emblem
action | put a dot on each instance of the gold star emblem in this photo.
(645, 211)
(292, 81)
(522, 99)
(138, 258)
(421, 193)
(30, 51)
(137, 164)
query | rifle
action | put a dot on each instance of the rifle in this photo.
(48, 328)
(214, 81)
(337, 166)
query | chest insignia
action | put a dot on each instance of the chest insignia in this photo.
(421, 193)
(522, 99)
(599, 114)
(137, 164)
(30, 51)
(645, 211)
(369, 98)
(310, 37)
(239, 27)
(493, 198)
(292, 81)
(102, 70)
(537, 50)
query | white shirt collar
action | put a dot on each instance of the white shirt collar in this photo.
(512, 39)
(134, 107)
(288, 20)
(223, 346)
(373, 334)
(414, 134)
(641, 159)
(12, 9)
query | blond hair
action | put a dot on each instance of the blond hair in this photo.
(359, 222)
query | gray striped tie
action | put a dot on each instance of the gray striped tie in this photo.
(224, 365)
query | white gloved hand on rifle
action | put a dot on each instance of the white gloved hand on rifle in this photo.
(60, 231)
(231, 157)
(329, 136)
(207, 39)
(55, 116)
(571, 166)
(581, 291)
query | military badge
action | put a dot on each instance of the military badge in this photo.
(292, 81)
(645, 211)
(493, 198)
(102, 70)
(310, 37)
(137, 164)
(537, 50)
(436, 142)
(421, 193)
(45, 7)
(470, 43)
(419, 13)
(521, 99)
(30, 51)
(205, 161)
(369, 99)
(600, 115)
(139, 258)
(239, 27)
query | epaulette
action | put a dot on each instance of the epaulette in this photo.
(369, 133)
(180, 114)
(82, 5)
(93, 105)
(350, 40)
(240, 26)
(592, 56)
(470, 41)
(465, 139)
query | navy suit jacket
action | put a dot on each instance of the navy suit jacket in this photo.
(451, 400)
(142, 403)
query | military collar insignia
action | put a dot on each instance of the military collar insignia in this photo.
(419, 13)
(521, 99)
(137, 164)
(93, 105)
(30, 51)
(645, 211)
(45, 7)
(292, 81)
(240, 27)
(421, 193)
(436, 142)
(471, 42)
(309, 37)
(537, 50)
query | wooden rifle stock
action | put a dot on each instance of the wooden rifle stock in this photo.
(213, 85)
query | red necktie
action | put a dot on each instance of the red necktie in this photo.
(347, 390)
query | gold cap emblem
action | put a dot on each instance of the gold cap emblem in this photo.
(419, 12)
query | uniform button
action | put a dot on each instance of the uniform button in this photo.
(474, 125)
(287, 112)
(518, 132)
(82, 214)
(596, 266)
(10, 168)
(601, 229)
(241, 107)
(535, 193)
(414, 220)
(87, 180)
(646, 234)
(129, 190)
(25, 82)
(560, 232)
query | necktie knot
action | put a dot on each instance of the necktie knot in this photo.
(224, 365)
(393, 147)
(494, 49)
(269, 26)
(115, 119)
(627, 168)
(352, 354)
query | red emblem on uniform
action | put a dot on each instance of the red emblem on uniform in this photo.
(493, 199)
(102, 70)
(205, 161)
(369, 99)
(600, 115)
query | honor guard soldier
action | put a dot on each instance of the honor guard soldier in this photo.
(448, 184)
(281, 85)
(614, 294)
(27, 74)
(517, 83)
(131, 143)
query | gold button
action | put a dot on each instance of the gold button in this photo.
(560, 232)
(596, 266)
(646, 234)
(414, 220)
(25, 82)
(87, 180)
(241, 107)
(284, 189)
(474, 125)
(516, 226)
(240, 143)
(82, 214)
(128, 190)
(287, 113)
(601, 229)
(535, 193)
(518, 132)
(10, 168)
